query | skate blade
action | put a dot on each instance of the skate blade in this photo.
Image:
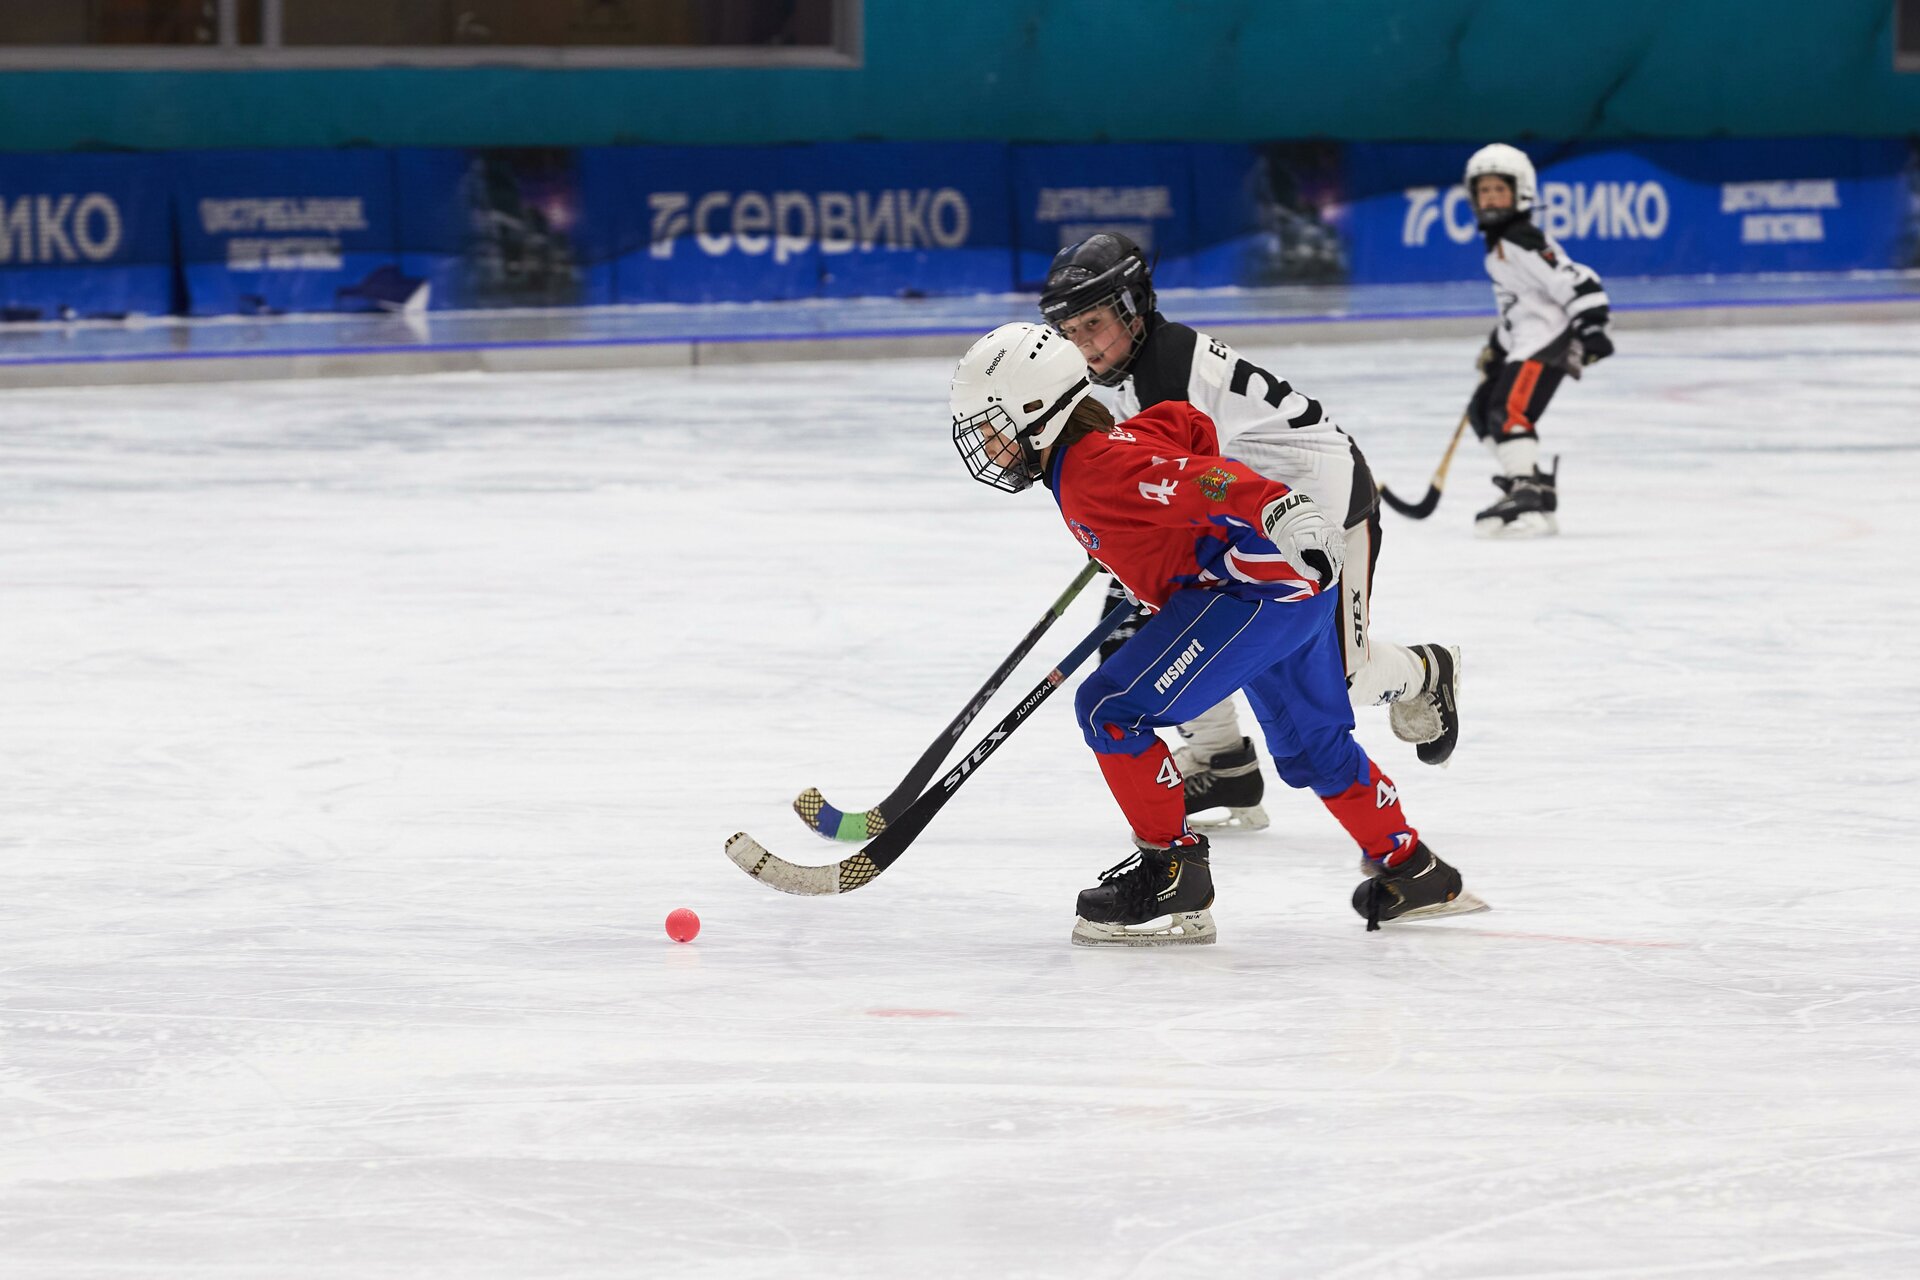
(1533, 524)
(1251, 818)
(1184, 928)
(1463, 904)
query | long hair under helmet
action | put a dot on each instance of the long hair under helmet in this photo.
(1012, 394)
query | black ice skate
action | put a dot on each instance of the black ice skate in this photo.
(1157, 898)
(1419, 888)
(1229, 780)
(1431, 718)
(1527, 509)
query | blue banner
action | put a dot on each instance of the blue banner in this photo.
(271, 231)
(1650, 208)
(499, 227)
(718, 224)
(252, 232)
(84, 235)
(1063, 194)
(1207, 214)
(1269, 214)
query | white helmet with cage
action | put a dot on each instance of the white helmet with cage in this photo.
(1502, 161)
(1012, 395)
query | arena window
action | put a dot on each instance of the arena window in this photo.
(240, 34)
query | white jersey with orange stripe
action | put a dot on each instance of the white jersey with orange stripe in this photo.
(1539, 289)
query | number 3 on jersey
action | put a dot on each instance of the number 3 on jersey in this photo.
(1243, 376)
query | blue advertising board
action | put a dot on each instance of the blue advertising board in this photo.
(1208, 215)
(270, 231)
(1063, 194)
(498, 227)
(1648, 208)
(1268, 214)
(739, 224)
(217, 232)
(84, 235)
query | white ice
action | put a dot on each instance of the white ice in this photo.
(356, 737)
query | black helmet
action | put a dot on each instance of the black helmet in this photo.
(1106, 267)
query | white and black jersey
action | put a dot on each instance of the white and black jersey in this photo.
(1541, 292)
(1262, 419)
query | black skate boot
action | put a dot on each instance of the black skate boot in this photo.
(1420, 887)
(1431, 718)
(1527, 509)
(1231, 781)
(1158, 897)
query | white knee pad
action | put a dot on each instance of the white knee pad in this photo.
(1213, 731)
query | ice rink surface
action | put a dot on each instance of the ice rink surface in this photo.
(357, 736)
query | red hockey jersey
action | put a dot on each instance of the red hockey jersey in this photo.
(1154, 502)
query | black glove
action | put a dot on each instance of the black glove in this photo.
(1595, 345)
(1491, 355)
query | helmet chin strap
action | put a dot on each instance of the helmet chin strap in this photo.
(1030, 438)
(1492, 219)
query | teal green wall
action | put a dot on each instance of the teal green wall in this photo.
(1054, 70)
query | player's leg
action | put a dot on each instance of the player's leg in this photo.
(1431, 718)
(1217, 761)
(1420, 684)
(1485, 410)
(1222, 771)
(1378, 671)
(1186, 658)
(1308, 720)
(1521, 393)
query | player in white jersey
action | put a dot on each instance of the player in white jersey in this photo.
(1553, 322)
(1099, 294)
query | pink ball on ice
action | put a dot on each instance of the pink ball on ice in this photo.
(682, 925)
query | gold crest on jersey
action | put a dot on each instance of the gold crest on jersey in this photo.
(1214, 483)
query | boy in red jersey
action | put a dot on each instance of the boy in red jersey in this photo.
(1237, 568)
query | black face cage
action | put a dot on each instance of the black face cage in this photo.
(1491, 219)
(1126, 288)
(991, 446)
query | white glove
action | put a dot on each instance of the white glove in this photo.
(1308, 540)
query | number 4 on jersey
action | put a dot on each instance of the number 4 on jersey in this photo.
(1168, 776)
(1160, 491)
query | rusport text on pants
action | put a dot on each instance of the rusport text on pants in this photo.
(1193, 654)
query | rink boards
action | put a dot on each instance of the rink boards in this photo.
(236, 348)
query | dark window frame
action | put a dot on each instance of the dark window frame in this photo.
(847, 52)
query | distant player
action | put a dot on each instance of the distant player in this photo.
(1240, 575)
(1553, 322)
(1099, 294)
